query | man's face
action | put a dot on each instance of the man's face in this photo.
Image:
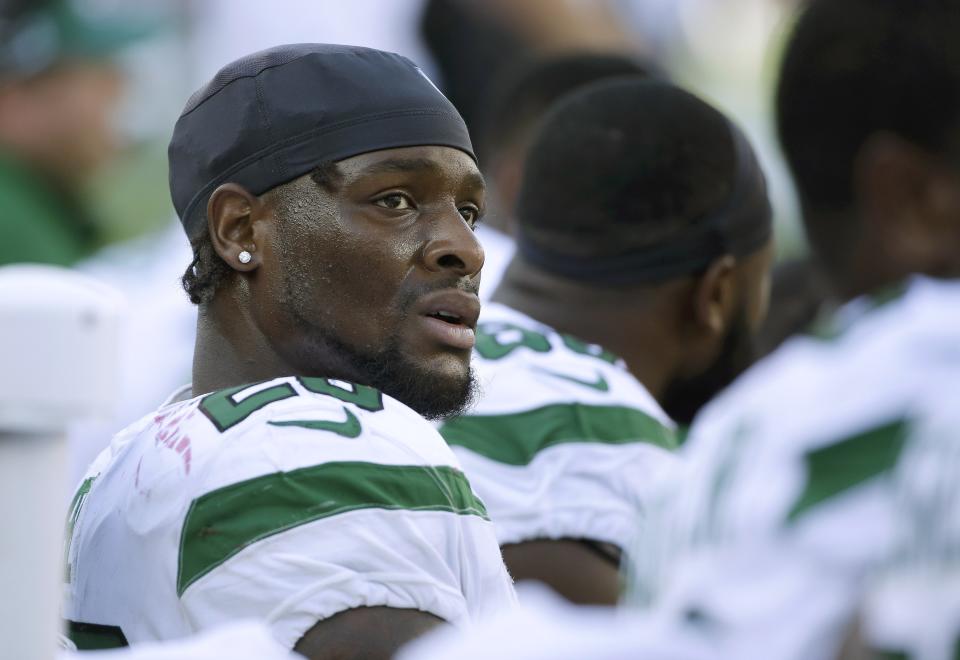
(63, 118)
(683, 397)
(374, 277)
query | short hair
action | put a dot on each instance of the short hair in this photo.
(521, 98)
(854, 68)
(622, 165)
(207, 271)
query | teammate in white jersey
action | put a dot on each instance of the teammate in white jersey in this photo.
(809, 478)
(641, 274)
(330, 194)
(827, 468)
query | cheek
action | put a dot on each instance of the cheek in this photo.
(370, 268)
(764, 277)
(949, 213)
(349, 281)
(758, 298)
(761, 301)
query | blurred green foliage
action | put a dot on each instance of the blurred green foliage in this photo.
(129, 197)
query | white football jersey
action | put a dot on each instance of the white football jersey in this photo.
(564, 442)
(827, 471)
(286, 501)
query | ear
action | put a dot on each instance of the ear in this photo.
(714, 296)
(231, 212)
(901, 190)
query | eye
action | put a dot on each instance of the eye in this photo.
(395, 202)
(471, 214)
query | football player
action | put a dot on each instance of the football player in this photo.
(330, 195)
(640, 276)
(821, 475)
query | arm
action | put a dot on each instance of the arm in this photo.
(370, 633)
(574, 569)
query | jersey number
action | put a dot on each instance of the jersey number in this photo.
(498, 340)
(229, 407)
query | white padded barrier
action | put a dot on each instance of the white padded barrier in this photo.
(58, 363)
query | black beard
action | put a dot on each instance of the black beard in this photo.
(388, 369)
(683, 398)
(431, 395)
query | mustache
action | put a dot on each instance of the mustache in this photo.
(465, 284)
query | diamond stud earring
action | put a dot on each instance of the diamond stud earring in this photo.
(244, 257)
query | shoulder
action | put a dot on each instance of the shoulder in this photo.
(279, 426)
(879, 362)
(818, 425)
(285, 454)
(266, 479)
(563, 440)
(277, 403)
(541, 389)
(288, 423)
(524, 364)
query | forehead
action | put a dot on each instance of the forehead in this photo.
(443, 165)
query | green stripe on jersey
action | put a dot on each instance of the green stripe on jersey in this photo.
(223, 522)
(516, 438)
(95, 637)
(838, 467)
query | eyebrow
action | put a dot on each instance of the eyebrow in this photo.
(418, 164)
(475, 179)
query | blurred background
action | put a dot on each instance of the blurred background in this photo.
(90, 91)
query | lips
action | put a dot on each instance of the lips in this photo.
(450, 318)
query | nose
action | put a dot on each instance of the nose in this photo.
(453, 248)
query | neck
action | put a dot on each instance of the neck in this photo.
(877, 269)
(860, 255)
(230, 350)
(854, 286)
(630, 323)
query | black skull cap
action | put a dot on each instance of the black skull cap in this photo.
(273, 116)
